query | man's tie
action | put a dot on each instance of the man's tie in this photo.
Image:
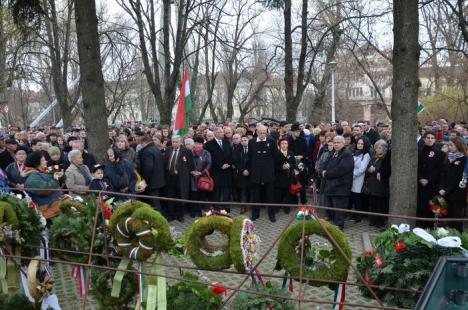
(173, 161)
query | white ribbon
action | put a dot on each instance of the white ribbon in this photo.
(450, 242)
(402, 228)
(421, 233)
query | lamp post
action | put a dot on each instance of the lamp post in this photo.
(332, 65)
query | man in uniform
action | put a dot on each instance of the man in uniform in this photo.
(263, 153)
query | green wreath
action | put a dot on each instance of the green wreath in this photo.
(29, 224)
(8, 215)
(102, 286)
(75, 232)
(73, 207)
(290, 260)
(196, 242)
(140, 231)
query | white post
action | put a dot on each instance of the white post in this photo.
(333, 95)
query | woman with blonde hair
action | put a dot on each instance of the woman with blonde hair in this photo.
(124, 147)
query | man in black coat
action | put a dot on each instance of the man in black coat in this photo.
(263, 153)
(151, 167)
(240, 157)
(338, 178)
(178, 166)
(221, 167)
(430, 162)
(298, 146)
(370, 133)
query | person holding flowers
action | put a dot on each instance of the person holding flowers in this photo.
(452, 173)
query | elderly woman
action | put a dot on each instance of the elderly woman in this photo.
(77, 174)
(201, 163)
(377, 186)
(38, 181)
(124, 147)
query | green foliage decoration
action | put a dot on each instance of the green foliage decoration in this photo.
(29, 225)
(252, 301)
(102, 287)
(16, 301)
(8, 215)
(196, 241)
(74, 232)
(410, 266)
(189, 295)
(289, 258)
(124, 210)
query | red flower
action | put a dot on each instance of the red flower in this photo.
(434, 208)
(218, 289)
(368, 253)
(400, 247)
(378, 261)
(443, 212)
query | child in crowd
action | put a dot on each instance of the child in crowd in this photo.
(98, 183)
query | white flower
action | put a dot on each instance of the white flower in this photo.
(19, 196)
(79, 198)
(401, 228)
(442, 232)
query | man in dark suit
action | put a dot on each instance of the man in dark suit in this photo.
(151, 166)
(297, 145)
(263, 153)
(221, 167)
(338, 178)
(178, 165)
(241, 177)
(370, 133)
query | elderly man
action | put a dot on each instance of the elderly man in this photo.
(221, 166)
(338, 178)
(263, 152)
(88, 159)
(178, 166)
(77, 174)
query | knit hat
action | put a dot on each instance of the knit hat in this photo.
(53, 150)
(34, 159)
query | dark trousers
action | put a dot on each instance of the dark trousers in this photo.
(195, 208)
(378, 204)
(456, 209)
(357, 204)
(425, 194)
(174, 209)
(282, 196)
(221, 194)
(241, 194)
(262, 193)
(154, 202)
(337, 202)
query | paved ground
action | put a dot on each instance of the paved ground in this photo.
(67, 291)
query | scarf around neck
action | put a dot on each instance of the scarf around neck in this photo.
(454, 156)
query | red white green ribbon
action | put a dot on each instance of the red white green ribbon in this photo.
(80, 274)
(340, 295)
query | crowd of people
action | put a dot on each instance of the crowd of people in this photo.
(343, 166)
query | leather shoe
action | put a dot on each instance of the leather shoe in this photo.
(254, 217)
(272, 218)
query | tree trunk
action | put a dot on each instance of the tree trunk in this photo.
(91, 79)
(288, 64)
(3, 52)
(403, 184)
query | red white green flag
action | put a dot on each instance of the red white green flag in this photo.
(184, 107)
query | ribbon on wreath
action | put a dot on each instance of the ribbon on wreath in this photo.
(118, 277)
(340, 295)
(152, 288)
(8, 271)
(79, 273)
(287, 277)
(306, 213)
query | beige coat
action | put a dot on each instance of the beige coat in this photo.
(75, 181)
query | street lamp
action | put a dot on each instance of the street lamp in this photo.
(332, 65)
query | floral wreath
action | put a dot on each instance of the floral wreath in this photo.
(319, 264)
(244, 244)
(405, 258)
(139, 230)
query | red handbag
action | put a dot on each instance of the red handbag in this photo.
(295, 188)
(205, 182)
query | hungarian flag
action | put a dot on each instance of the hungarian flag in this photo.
(184, 107)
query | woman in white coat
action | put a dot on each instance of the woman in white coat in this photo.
(361, 160)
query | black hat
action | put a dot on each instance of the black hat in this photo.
(97, 167)
(295, 127)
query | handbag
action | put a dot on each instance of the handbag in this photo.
(295, 186)
(205, 182)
